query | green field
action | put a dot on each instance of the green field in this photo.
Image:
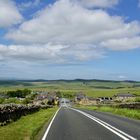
(130, 113)
(92, 88)
(27, 127)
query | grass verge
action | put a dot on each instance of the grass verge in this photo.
(130, 113)
(27, 127)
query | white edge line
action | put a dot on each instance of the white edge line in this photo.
(47, 130)
(106, 125)
(127, 135)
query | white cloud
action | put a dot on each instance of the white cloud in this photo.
(122, 77)
(122, 44)
(49, 53)
(9, 14)
(68, 23)
(82, 34)
(66, 32)
(98, 3)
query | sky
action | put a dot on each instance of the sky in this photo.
(70, 39)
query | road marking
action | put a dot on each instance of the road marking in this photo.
(47, 130)
(116, 131)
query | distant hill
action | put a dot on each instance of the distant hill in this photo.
(89, 82)
(64, 80)
(14, 83)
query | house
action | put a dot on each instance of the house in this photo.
(105, 100)
(124, 96)
(52, 98)
(84, 100)
(42, 96)
(92, 101)
(46, 97)
(79, 97)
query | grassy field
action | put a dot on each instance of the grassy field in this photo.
(91, 88)
(130, 113)
(27, 127)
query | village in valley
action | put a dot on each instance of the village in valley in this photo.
(52, 98)
(31, 98)
(80, 98)
(82, 92)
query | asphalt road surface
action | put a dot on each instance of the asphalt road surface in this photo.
(64, 102)
(75, 124)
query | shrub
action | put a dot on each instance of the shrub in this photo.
(19, 93)
(1, 100)
(137, 99)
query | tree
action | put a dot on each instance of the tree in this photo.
(19, 93)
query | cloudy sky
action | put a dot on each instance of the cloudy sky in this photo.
(68, 39)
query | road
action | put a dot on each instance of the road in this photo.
(73, 124)
(64, 102)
